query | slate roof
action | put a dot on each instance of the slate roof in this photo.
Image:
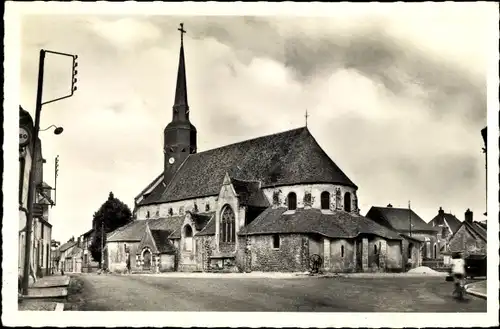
(452, 221)
(201, 219)
(67, 245)
(399, 219)
(134, 231)
(161, 239)
(286, 158)
(209, 228)
(89, 232)
(250, 193)
(337, 224)
(476, 228)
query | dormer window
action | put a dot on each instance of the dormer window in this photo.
(325, 200)
(292, 201)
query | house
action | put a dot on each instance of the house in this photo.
(67, 263)
(55, 256)
(415, 230)
(88, 263)
(271, 203)
(470, 238)
(40, 250)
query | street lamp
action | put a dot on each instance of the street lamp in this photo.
(34, 142)
(57, 131)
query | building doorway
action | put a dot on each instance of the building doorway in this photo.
(147, 260)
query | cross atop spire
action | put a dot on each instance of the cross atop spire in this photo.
(306, 116)
(181, 88)
(181, 29)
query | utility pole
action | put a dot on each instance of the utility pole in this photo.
(102, 245)
(32, 187)
(409, 214)
(33, 167)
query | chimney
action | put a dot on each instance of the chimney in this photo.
(468, 216)
(389, 205)
(441, 211)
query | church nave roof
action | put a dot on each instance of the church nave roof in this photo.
(287, 158)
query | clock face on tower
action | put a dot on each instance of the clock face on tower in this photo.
(171, 160)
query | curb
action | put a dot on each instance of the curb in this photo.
(475, 293)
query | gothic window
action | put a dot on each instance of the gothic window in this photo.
(342, 251)
(347, 201)
(292, 201)
(325, 200)
(188, 238)
(227, 226)
(276, 241)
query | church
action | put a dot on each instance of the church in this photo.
(272, 203)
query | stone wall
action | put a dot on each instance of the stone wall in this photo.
(315, 191)
(116, 256)
(289, 257)
(337, 261)
(178, 207)
(467, 242)
(394, 259)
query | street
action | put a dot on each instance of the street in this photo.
(157, 293)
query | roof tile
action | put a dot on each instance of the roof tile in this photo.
(287, 158)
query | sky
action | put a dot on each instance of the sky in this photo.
(396, 97)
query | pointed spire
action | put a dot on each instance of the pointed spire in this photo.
(181, 88)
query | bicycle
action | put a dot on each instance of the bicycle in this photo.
(459, 291)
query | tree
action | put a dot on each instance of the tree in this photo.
(111, 215)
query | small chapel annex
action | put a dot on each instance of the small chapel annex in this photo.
(266, 204)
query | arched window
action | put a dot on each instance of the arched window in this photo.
(410, 250)
(188, 238)
(147, 215)
(347, 201)
(375, 249)
(342, 251)
(292, 201)
(227, 226)
(325, 200)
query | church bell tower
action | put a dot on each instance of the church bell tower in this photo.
(179, 134)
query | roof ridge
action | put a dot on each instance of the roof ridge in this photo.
(251, 139)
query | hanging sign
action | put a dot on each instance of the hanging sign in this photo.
(24, 136)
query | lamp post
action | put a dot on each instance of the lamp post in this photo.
(34, 145)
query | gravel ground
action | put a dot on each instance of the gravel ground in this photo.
(154, 293)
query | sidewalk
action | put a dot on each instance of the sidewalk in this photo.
(478, 289)
(45, 294)
(289, 275)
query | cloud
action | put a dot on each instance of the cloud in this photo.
(389, 105)
(125, 33)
